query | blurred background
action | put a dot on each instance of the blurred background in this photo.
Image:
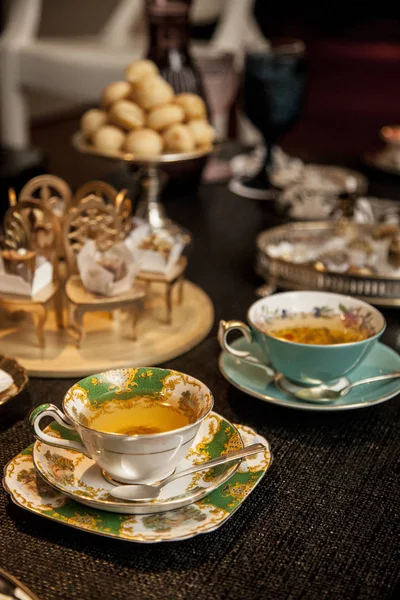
(63, 53)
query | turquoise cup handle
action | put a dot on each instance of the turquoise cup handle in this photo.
(50, 410)
(225, 327)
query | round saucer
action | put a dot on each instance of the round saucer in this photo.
(238, 186)
(285, 385)
(257, 383)
(80, 478)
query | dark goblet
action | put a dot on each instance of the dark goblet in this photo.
(274, 84)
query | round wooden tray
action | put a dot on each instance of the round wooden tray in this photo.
(108, 343)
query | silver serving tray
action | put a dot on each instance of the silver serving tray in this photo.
(379, 290)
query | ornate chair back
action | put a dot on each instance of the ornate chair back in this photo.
(31, 224)
(52, 190)
(92, 219)
(103, 190)
(109, 195)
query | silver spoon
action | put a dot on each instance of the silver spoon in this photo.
(323, 394)
(141, 491)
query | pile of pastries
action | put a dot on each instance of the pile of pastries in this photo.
(144, 117)
(156, 244)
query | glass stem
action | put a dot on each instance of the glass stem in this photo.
(268, 155)
(262, 174)
(150, 208)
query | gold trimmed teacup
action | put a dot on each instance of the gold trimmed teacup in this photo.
(146, 457)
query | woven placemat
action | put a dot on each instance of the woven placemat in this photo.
(323, 524)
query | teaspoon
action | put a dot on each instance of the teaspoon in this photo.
(141, 491)
(323, 394)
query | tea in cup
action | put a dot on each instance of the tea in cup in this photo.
(136, 424)
(310, 337)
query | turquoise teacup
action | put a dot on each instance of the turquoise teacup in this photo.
(303, 362)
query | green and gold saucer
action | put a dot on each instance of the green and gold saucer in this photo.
(80, 478)
(29, 490)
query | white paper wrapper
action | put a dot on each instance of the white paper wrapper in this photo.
(96, 278)
(151, 260)
(16, 285)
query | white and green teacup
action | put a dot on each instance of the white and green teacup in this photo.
(128, 458)
(306, 363)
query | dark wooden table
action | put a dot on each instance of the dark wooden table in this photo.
(324, 522)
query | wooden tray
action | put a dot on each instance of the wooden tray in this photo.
(107, 343)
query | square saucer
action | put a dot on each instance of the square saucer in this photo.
(28, 490)
(80, 478)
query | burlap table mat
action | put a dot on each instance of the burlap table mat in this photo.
(323, 523)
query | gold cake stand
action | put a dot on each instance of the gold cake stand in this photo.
(150, 174)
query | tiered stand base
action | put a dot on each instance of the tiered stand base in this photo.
(108, 343)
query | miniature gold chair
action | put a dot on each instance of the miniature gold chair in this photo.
(56, 194)
(175, 278)
(93, 219)
(31, 225)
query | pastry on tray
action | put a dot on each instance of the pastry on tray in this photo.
(108, 138)
(202, 132)
(178, 138)
(144, 143)
(156, 244)
(146, 104)
(118, 90)
(92, 120)
(127, 115)
(164, 116)
(154, 252)
(193, 106)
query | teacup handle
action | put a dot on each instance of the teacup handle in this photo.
(50, 410)
(224, 328)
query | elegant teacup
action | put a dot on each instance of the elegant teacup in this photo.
(145, 457)
(306, 363)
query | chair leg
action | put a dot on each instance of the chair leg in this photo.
(181, 282)
(168, 302)
(134, 323)
(40, 316)
(77, 318)
(58, 308)
(147, 288)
